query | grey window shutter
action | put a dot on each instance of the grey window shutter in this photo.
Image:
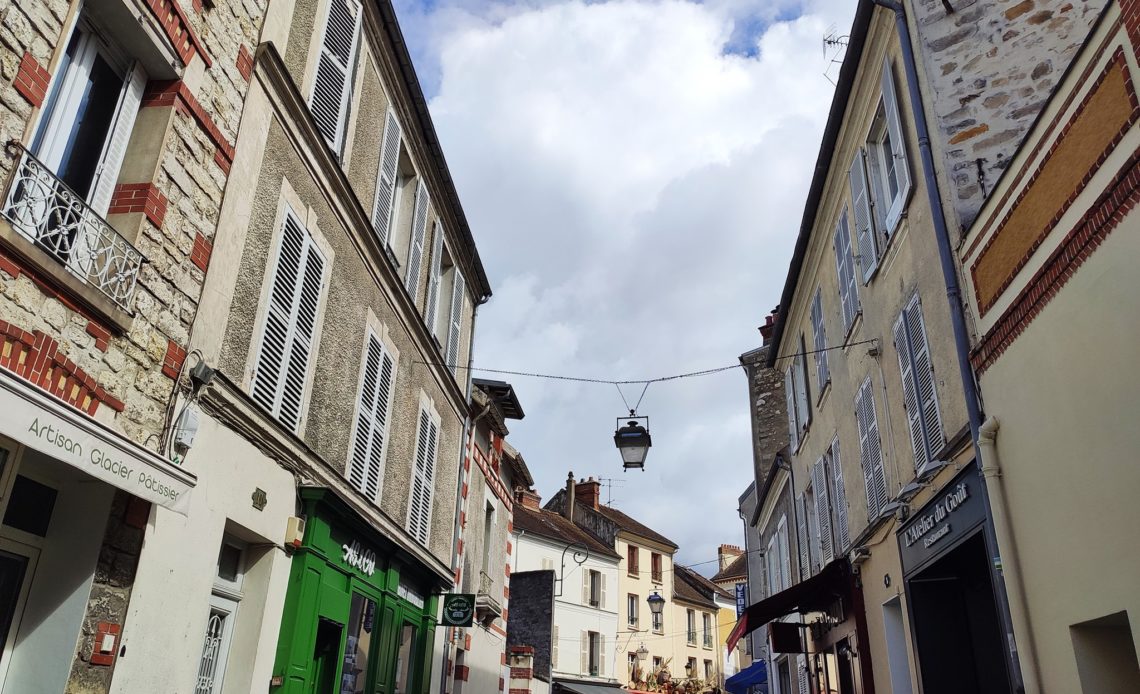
(813, 531)
(423, 478)
(802, 535)
(290, 323)
(785, 558)
(333, 84)
(898, 149)
(845, 272)
(910, 394)
(416, 248)
(386, 178)
(127, 110)
(819, 339)
(455, 321)
(839, 501)
(803, 395)
(871, 452)
(801, 668)
(867, 245)
(366, 468)
(923, 371)
(790, 396)
(822, 511)
(432, 308)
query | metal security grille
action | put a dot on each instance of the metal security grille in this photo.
(208, 670)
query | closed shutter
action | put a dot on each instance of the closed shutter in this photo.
(602, 596)
(785, 557)
(845, 272)
(386, 178)
(910, 394)
(802, 679)
(601, 655)
(432, 307)
(822, 373)
(871, 452)
(898, 149)
(803, 395)
(822, 511)
(107, 175)
(455, 321)
(790, 396)
(839, 501)
(585, 647)
(416, 248)
(333, 84)
(554, 647)
(585, 587)
(923, 371)
(365, 470)
(290, 321)
(866, 244)
(802, 537)
(813, 531)
(423, 479)
(547, 564)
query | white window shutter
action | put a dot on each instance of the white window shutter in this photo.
(871, 452)
(332, 87)
(432, 307)
(802, 535)
(790, 396)
(601, 655)
(455, 320)
(785, 558)
(803, 397)
(602, 595)
(813, 532)
(898, 148)
(366, 468)
(822, 511)
(107, 175)
(585, 653)
(423, 478)
(801, 668)
(910, 394)
(554, 647)
(923, 371)
(416, 247)
(839, 502)
(819, 339)
(585, 587)
(845, 273)
(867, 245)
(386, 178)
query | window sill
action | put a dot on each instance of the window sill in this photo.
(823, 393)
(856, 322)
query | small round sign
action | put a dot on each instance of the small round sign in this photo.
(458, 610)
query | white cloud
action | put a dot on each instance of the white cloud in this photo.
(635, 190)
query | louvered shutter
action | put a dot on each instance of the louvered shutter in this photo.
(366, 466)
(455, 325)
(910, 394)
(867, 245)
(871, 452)
(432, 307)
(785, 558)
(822, 511)
(790, 396)
(107, 175)
(290, 322)
(819, 338)
(585, 587)
(813, 531)
(423, 479)
(803, 397)
(554, 647)
(802, 535)
(923, 371)
(839, 501)
(333, 84)
(601, 655)
(386, 178)
(416, 248)
(801, 668)
(898, 149)
(845, 271)
(602, 595)
(585, 647)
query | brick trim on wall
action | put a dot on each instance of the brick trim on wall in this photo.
(177, 28)
(175, 93)
(1110, 209)
(35, 357)
(32, 80)
(244, 63)
(201, 252)
(139, 197)
(172, 362)
(14, 268)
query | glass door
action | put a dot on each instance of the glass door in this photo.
(406, 659)
(354, 667)
(17, 566)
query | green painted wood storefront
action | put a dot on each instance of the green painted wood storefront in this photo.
(357, 619)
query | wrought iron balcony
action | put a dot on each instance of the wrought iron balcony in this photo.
(43, 209)
(485, 583)
(487, 606)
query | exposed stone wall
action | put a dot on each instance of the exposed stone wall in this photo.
(767, 410)
(991, 66)
(531, 617)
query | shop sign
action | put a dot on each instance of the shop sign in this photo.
(364, 560)
(741, 599)
(945, 519)
(458, 610)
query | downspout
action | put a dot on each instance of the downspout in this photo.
(991, 471)
(961, 337)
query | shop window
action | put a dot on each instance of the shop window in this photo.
(357, 645)
(366, 457)
(655, 566)
(30, 506)
(224, 600)
(405, 660)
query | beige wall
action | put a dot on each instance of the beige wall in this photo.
(642, 585)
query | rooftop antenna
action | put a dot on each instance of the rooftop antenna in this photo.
(834, 48)
(609, 483)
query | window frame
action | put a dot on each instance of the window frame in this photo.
(633, 611)
(656, 567)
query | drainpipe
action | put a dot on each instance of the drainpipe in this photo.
(961, 336)
(991, 471)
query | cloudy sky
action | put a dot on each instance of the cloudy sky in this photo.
(634, 173)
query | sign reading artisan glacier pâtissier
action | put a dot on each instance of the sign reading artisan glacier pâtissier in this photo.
(41, 423)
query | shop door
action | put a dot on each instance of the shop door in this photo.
(405, 671)
(17, 564)
(326, 653)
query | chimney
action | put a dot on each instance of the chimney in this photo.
(521, 661)
(769, 325)
(726, 554)
(590, 492)
(568, 504)
(528, 498)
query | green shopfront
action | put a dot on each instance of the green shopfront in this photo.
(358, 619)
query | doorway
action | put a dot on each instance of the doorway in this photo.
(17, 565)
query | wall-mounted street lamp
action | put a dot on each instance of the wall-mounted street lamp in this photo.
(633, 441)
(642, 653)
(689, 669)
(656, 603)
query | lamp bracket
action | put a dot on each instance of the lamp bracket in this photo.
(579, 556)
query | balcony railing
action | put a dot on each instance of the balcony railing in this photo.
(708, 642)
(485, 583)
(59, 221)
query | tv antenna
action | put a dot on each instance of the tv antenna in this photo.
(834, 48)
(608, 483)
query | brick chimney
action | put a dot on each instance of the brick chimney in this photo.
(528, 498)
(726, 554)
(769, 325)
(589, 491)
(521, 661)
(568, 506)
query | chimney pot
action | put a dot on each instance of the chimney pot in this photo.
(590, 492)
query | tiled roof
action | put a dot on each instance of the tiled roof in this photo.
(631, 526)
(738, 568)
(554, 526)
(687, 588)
(706, 585)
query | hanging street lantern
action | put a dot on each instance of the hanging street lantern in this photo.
(656, 603)
(633, 441)
(642, 653)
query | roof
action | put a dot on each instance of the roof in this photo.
(835, 118)
(737, 568)
(707, 585)
(687, 588)
(624, 522)
(518, 466)
(503, 394)
(554, 526)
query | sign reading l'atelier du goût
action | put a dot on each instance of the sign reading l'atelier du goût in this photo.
(938, 526)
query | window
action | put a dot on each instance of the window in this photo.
(488, 533)
(657, 622)
(419, 235)
(708, 670)
(797, 396)
(633, 558)
(838, 499)
(920, 398)
(332, 87)
(656, 663)
(845, 272)
(691, 667)
(821, 513)
(655, 566)
(593, 654)
(870, 450)
(431, 307)
(706, 630)
(782, 546)
(423, 474)
(633, 605)
(383, 207)
(630, 663)
(594, 589)
(691, 633)
(822, 373)
(296, 287)
(455, 317)
(220, 623)
(366, 457)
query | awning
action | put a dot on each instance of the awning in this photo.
(812, 595)
(751, 676)
(585, 687)
(42, 423)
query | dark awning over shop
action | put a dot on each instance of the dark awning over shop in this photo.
(814, 594)
(585, 687)
(751, 676)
